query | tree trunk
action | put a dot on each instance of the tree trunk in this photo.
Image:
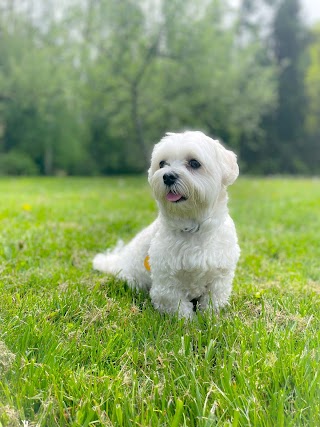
(137, 123)
(48, 160)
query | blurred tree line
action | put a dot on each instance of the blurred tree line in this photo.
(88, 88)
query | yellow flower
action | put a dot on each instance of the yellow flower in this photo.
(259, 294)
(26, 207)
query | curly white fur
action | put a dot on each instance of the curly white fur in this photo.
(192, 245)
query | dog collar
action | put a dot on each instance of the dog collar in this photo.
(195, 227)
(192, 229)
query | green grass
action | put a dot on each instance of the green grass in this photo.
(79, 349)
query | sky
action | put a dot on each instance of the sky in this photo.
(312, 10)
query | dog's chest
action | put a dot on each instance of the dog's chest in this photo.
(194, 257)
(187, 256)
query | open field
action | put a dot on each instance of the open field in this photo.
(80, 349)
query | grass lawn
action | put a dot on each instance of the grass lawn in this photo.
(79, 349)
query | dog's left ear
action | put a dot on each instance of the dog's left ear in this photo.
(229, 165)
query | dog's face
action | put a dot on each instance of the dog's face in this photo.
(188, 171)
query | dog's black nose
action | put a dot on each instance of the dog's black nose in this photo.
(170, 178)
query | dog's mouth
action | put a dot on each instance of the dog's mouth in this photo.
(175, 198)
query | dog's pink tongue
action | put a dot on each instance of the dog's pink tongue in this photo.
(172, 197)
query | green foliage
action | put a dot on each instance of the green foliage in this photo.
(17, 163)
(93, 91)
(283, 145)
(290, 42)
(312, 82)
(40, 113)
(90, 92)
(78, 348)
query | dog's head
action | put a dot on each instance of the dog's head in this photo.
(188, 171)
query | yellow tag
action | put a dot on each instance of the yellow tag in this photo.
(146, 263)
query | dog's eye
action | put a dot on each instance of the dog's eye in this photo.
(194, 164)
(162, 164)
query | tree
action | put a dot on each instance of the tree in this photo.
(285, 145)
(161, 76)
(289, 44)
(112, 77)
(40, 117)
(312, 82)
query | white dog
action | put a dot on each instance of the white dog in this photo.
(187, 257)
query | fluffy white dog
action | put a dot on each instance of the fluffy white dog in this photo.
(187, 257)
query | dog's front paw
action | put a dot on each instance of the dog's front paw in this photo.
(171, 304)
(185, 310)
